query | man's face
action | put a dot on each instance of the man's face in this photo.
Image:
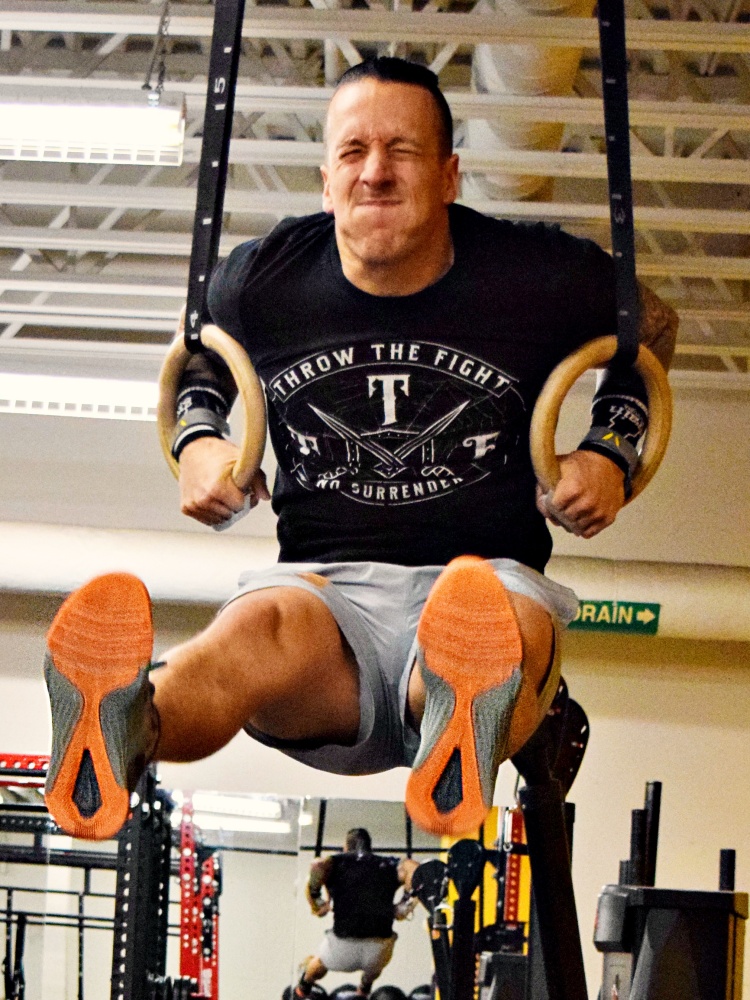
(386, 179)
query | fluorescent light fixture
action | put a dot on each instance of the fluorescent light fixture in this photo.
(236, 805)
(234, 824)
(92, 126)
(59, 396)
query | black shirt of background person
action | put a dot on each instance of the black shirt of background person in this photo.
(362, 887)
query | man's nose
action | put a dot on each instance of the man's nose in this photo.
(377, 166)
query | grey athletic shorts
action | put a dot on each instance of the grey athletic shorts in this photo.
(371, 955)
(377, 608)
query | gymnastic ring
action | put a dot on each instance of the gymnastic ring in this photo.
(596, 353)
(253, 441)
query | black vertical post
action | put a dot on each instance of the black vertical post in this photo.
(19, 976)
(80, 944)
(8, 962)
(214, 162)
(544, 818)
(481, 883)
(462, 950)
(652, 805)
(141, 894)
(727, 859)
(409, 835)
(321, 827)
(638, 846)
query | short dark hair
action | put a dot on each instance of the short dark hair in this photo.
(391, 69)
(358, 839)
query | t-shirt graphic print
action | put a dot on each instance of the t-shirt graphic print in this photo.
(393, 422)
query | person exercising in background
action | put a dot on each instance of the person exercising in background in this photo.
(359, 887)
(403, 341)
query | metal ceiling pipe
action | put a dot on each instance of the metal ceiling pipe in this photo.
(696, 601)
(526, 71)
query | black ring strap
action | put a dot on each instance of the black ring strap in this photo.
(214, 161)
(611, 16)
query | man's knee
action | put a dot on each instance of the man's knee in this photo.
(285, 623)
(312, 692)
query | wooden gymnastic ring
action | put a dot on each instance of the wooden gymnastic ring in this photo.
(250, 390)
(596, 353)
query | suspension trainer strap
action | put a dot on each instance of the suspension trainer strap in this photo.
(611, 15)
(212, 171)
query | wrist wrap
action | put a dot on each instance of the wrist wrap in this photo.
(201, 412)
(610, 443)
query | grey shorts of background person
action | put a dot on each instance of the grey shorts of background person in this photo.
(370, 955)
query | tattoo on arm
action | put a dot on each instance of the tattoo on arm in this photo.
(658, 325)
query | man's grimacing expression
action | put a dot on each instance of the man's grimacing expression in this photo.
(387, 179)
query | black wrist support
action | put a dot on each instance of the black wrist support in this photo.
(201, 412)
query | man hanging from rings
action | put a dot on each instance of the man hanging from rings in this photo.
(402, 341)
(358, 886)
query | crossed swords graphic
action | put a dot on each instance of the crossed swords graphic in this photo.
(391, 461)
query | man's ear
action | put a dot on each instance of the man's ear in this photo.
(327, 203)
(451, 180)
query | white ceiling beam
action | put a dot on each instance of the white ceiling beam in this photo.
(374, 26)
(93, 312)
(64, 285)
(703, 267)
(713, 350)
(313, 101)
(714, 313)
(112, 241)
(85, 321)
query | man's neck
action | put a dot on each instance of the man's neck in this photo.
(401, 277)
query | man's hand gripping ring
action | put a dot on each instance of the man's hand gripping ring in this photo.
(596, 353)
(251, 393)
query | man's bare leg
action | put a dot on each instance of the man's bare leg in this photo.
(313, 971)
(274, 658)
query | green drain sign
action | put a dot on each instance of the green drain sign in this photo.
(617, 616)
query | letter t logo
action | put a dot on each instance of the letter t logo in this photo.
(389, 393)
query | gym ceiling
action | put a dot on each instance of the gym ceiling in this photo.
(94, 258)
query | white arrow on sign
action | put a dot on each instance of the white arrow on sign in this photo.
(645, 616)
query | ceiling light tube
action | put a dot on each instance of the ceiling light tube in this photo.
(92, 126)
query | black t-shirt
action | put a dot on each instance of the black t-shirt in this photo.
(362, 887)
(401, 424)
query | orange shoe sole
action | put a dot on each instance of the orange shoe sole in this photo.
(470, 638)
(100, 640)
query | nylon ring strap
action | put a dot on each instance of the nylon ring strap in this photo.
(224, 61)
(611, 16)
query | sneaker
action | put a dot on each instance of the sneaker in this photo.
(104, 724)
(469, 652)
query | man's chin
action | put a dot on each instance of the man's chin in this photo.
(378, 250)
